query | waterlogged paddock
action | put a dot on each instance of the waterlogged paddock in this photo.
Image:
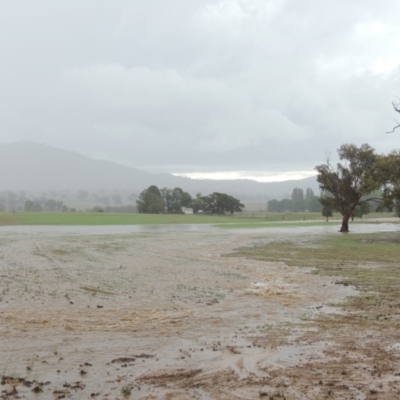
(161, 312)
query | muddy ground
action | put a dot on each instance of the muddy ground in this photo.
(166, 315)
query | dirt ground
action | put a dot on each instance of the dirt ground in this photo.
(166, 315)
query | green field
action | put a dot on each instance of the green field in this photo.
(81, 218)
(235, 221)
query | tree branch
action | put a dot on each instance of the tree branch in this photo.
(396, 107)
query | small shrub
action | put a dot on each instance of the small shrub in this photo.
(126, 390)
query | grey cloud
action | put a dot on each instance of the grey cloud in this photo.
(206, 85)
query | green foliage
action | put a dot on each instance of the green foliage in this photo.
(346, 186)
(197, 203)
(126, 390)
(32, 206)
(219, 203)
(362, 209)
(175, 199)
(327, 212)
(284, 205)
(387, 172)
(150, 201)
(53, 205)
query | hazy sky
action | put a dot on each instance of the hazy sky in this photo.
(244, 87)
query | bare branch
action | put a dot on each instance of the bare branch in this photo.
(397, 126)
(396, 107)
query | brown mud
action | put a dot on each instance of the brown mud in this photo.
(166, 316)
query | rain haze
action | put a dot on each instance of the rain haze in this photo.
(257, 89)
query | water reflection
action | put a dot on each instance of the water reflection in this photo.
(106, 229)
(325, 229)
(200, 228)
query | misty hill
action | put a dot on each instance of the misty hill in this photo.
(32, 166)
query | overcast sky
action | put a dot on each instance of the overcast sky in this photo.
(238, 87)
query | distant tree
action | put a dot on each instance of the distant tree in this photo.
(298, 204)
(29, 205)
(219, 203)
(327, 212)
(311, 201)
(175, 199)
(314, 205)
(273, 205)
(166, 195)
(309, 195)
(32, 206)
(179, 199)
(198, 203)
(387, 172)
(349, 183)
(155, 208)
(360, 210)
(286, 205)
(150, 201)
(51, 205)
(233, 205)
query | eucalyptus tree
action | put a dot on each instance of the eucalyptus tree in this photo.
(387, 172)
(348, 184)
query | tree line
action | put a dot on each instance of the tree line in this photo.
(155, 201)
(299, 202)
(62, 200)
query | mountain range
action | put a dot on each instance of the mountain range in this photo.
(31, 166)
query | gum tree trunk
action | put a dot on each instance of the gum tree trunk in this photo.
(345, 224)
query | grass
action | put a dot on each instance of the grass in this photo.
(229, 221)
(331, 252)
(83, 218)
(368, 262)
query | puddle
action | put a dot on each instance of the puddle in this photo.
(182, 321)
(196, 228)
(106, 229)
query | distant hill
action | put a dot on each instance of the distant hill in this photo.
(32, 166)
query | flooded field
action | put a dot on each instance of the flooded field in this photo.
(162, 313)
